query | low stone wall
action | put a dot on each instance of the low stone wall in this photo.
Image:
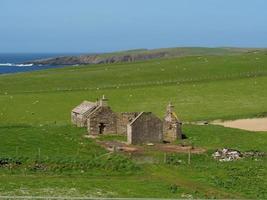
(123, 119)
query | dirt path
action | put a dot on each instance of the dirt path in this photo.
(256, 124)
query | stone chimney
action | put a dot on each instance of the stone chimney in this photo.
(103, 102)
(169, 112)
(172, 127)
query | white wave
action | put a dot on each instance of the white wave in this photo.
(16, 65)
(23, 65)
(6, 64)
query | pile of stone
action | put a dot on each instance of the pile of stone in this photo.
(225, 155)
(254, 154)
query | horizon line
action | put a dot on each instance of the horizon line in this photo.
(136, 49)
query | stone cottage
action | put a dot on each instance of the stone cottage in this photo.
(145, 128)
(80, 113)
(99, 118)
(139, 128)
(172, 127)
(102, 120)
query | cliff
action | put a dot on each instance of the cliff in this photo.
(139, 55)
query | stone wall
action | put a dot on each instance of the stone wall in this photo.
(102, 121)
(172, 131)
(123, 119)
(172, 127)
(78, 119)
(73, 118)
(147, 128)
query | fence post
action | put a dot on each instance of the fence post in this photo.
(189, 156)
(39, 153)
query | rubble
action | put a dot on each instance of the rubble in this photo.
(231, 154)
(227, 155)
(254, 154)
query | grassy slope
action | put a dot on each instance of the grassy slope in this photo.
(184, 51)
(201, 88)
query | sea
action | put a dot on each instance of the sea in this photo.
(14, 62)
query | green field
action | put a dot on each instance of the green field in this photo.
(48, 156)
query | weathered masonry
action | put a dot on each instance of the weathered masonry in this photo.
(102, 120)
(172, 127)
(140, 127)
(79, 114)
(145, 128)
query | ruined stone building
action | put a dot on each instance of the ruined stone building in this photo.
(145, 128)
(123, 119)
(172, 127)
(99, 118)
(139, 127)
(102, 120)
(80, 113)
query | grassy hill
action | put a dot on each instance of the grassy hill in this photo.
(48, 156)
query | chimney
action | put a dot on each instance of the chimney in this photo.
(170, 108)
(169, 112)
(103, 102)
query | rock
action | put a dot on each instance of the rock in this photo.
(253, 154)
(91, 136)
(227, 155)
(231, 154)
(187, 196)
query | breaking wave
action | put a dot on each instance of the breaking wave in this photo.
(16, 65)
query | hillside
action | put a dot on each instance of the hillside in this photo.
(140, 55)
(198, 86)
(41, 153)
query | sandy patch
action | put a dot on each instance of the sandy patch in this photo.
(256, 124)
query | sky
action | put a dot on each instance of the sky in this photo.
(92, 26)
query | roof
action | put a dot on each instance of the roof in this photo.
(96, 109)
(84, 107)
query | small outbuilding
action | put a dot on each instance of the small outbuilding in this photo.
(145, 128)
(80, 113)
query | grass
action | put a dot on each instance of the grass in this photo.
(57, 160)
(101, 76)
(212, 137)
(245, 177)
(93, 186)
(222, 99)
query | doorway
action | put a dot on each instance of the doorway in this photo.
(101, 128)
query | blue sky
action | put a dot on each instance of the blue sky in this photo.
(110, 25)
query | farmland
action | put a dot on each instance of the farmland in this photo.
(48, 156)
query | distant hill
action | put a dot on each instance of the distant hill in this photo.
(141, 55)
